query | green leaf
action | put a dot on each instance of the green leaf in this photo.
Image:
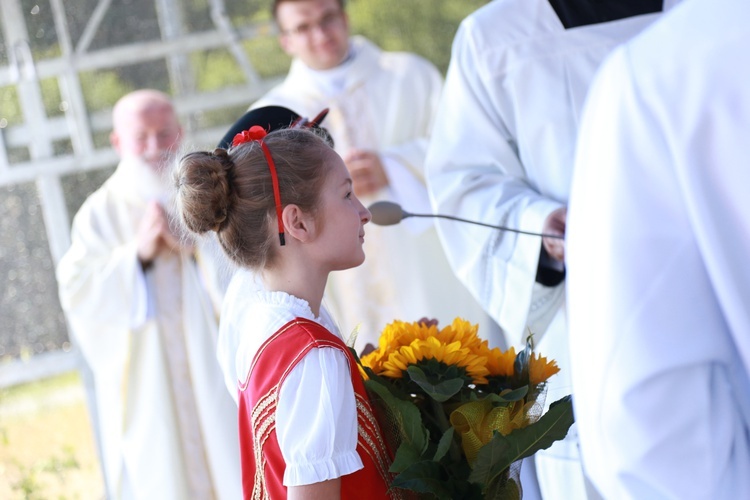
(444, 445)
(521, 365)
(423, 477)
(355, 355)
(406, 456)
(406, 414)
(502, 451)
(440, 392)
(510, 396)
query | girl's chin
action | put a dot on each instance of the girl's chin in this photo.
(356, 262)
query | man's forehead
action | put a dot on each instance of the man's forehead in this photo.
(294, 10)
(147, 111)
(164, 113)
(152, 107)
(153, 113)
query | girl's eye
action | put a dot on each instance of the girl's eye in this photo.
(349, 195)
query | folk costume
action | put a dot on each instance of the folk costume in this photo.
(659, 235)
(304, 413)
(167, 427)
(385, 102)
(502, 152)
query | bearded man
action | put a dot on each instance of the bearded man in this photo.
(142, 306)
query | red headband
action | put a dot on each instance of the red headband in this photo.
(257, 133)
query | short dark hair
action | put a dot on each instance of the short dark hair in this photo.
(276, 3)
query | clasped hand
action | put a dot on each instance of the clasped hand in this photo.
(154, 235)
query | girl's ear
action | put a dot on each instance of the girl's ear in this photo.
(297, 224)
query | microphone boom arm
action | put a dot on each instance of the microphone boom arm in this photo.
(388, 213)
(503, 228)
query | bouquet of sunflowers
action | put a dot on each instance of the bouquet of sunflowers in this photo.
(458, 415)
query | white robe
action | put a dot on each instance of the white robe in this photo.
(141, 407)
(658, 242)
(385, 101)
(502, 152)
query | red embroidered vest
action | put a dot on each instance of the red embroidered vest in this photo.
(262, 463)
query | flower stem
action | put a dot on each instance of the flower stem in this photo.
(444, 424)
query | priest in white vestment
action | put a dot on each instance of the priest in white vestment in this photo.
(382, 106)
(502, 152)
(658, 242)
(142, 307)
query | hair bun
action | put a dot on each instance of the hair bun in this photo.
(204, 190)
(221, 153)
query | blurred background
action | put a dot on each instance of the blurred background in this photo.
(63, 65)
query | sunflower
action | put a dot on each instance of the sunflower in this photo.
(540, 369)
(500, 363)
(462, 331)
(402, 344)
(453, 354)
(374, 360)
(401, 333)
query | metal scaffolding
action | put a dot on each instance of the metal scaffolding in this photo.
(38, 132)
(77, 126)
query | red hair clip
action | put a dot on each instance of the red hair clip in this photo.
(276, 193)
(257, 133)
(254, 133)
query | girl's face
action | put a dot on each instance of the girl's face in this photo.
(340, 218)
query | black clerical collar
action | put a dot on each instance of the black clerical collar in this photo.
(574, 13)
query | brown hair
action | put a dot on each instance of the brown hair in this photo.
(276, 3)
(231, 192)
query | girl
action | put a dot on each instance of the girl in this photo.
(282, 205)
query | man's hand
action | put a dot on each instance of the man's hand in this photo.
(555, 224)
(366, 169)
(154, 235)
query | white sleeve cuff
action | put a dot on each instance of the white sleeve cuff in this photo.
(314, 472)
(537, 212)
(316, 419)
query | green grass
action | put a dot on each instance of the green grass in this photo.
(47, 448)
(37, 390)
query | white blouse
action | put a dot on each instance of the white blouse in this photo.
(316, 416)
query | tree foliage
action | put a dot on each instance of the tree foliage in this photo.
(425, 27)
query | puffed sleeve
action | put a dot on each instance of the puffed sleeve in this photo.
(316, 419)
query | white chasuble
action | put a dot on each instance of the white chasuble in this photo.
(167, 428)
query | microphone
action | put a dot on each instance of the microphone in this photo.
(387, 213)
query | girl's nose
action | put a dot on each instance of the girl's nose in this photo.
(365, 214)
